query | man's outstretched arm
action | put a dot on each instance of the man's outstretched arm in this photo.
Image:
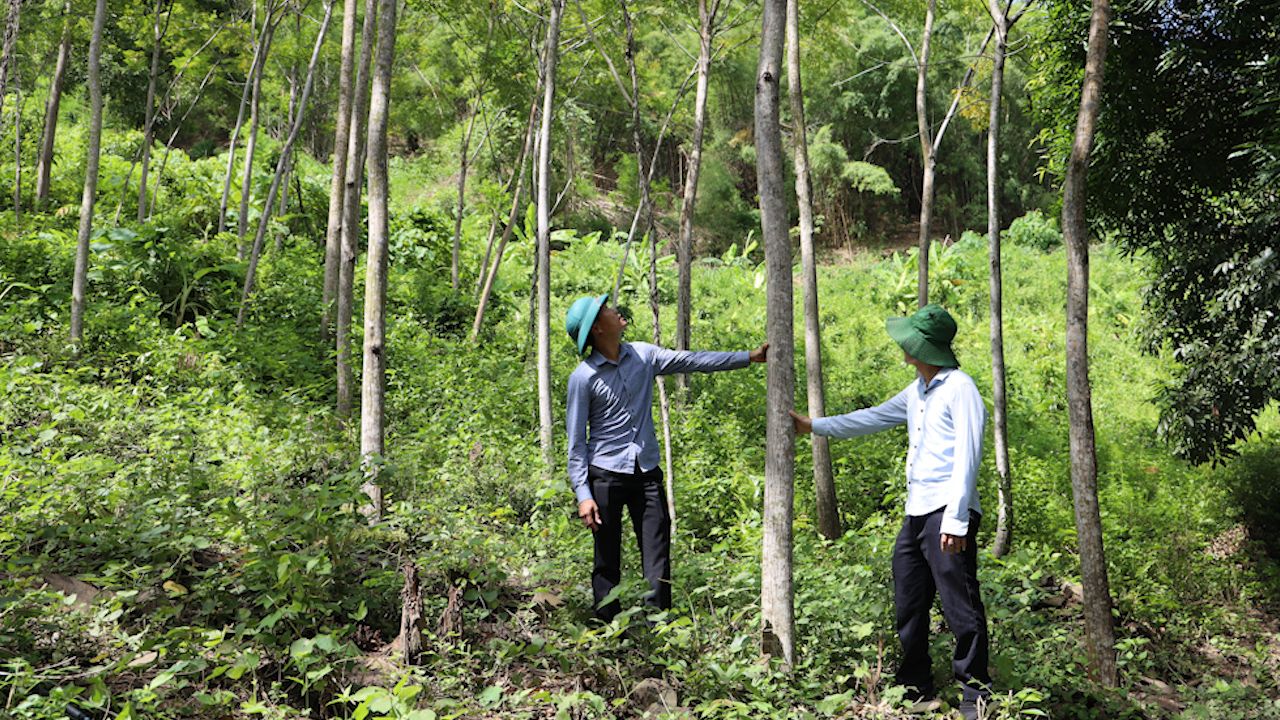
(859, 422)
(669, 362)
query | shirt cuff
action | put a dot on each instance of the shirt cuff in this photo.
(952, 526)
(820, 426)
(583, 492)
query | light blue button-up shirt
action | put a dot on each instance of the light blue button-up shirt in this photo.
(945, 423)
(616, 400)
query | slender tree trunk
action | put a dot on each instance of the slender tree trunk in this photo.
(550, 56)
(337, 179)
(89, 197)
(264, 220)
(684, 247)
(375, 302)
(352, 185)
(7, 57)
(148, 125)
(258, 59)
(45, 164)
(927, 157)
(776, 598)
(1099, 632)
(17, 148)
(462, 193)
(512, 218)
(1000, 425)
(250, 147)
(823, 483)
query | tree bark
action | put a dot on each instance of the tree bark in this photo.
(337, 179)
(512, 218)
(255, 94)
(776, 597)
(88, 198)
(375, 303)
(148, 125)
(411, 620)
(550, 56)
(45, 164)
(352, 185)
(17, 137)
(245, 94)
(264, 220)
(7, 58)
(823, 483)
(1000, 425)
(462, 193)
(1099, 632)
(684, 247)
(926, 153)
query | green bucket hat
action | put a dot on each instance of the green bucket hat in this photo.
(926, 335)
(581, 316)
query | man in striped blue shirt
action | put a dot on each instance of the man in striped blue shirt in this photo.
(936, 550)
(615, 467)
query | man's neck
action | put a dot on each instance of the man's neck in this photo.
(928, 373)
(611, 348)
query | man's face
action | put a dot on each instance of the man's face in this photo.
(908, 359)
(609, 323)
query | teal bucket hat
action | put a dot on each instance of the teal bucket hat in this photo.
(926, 335)
(581, 316)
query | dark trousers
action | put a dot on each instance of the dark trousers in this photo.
(920, 569)
(641, 494)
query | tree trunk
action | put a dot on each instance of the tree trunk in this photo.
(250, 146)
(1099, 632)
(1000, 425)
(245, 94)
(684, 247)
(148, 125)
(337, 179)
(928, 162)
(462, 193)
(87, 200)
(550, 56)
(375, 282)
(823, 483)
(264, 220)
(7, 58)
(45, 164)
(512, 218)
(776, 598)
(352, 185)
(17, 138)
(410, 613)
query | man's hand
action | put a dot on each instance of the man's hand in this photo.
(952, 544)
(804, 424)
(590, 514)
(760, 354)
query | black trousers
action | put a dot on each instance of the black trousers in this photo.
(920, 569)
(641, 494)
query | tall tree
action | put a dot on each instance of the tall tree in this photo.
(550, 55)
(7, 46)
(45, 164)
(148, 125)
(89, 197)
(824, 485)
(251, 144)
(17, 133)
(375, 301)
(259, 58)
(264, 220)
(927, 149)
(707, 22)
(352, 185)
(1099, 632)
(1001, 24)
(776, 597)
(337, 178)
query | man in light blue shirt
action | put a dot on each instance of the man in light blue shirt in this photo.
(615, 466)
(936, 550)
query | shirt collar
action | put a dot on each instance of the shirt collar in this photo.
(938, 379)
(596, 358)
